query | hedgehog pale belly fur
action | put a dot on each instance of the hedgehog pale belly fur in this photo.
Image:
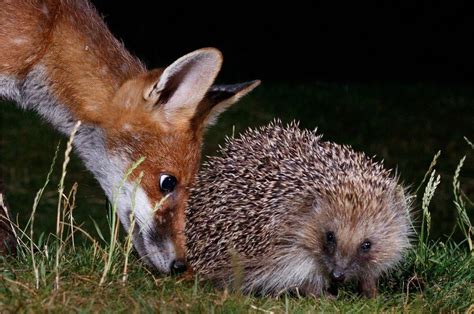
(282, 210)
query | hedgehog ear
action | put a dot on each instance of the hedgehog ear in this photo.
(219, 98)
(316, 205)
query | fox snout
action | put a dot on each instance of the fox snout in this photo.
(157, 230)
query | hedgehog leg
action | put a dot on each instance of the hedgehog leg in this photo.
(332, 291)
(314, 290)
(368, 287)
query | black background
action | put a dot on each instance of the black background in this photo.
(331, 40)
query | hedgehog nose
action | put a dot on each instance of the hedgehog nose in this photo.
(178, 267)
(337, 275)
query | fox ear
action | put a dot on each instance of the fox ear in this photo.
(183, 84)
(218, 99)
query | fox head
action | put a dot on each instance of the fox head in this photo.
(161, 116)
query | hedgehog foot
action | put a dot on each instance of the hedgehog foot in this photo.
(368, 287)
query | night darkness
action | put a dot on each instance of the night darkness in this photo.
(416, 41)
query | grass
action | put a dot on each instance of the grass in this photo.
(83, 264)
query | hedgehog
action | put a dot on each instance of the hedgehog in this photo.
(282, 211)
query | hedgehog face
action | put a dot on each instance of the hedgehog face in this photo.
(345, 258)
(355, 236)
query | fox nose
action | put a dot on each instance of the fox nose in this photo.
(178, 267)
(337, 275)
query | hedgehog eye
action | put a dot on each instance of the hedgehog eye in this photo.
(167, 183)
(330, 237)
(365, 247)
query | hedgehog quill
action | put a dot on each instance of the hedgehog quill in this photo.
(283, 211)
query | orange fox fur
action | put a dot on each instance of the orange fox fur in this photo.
(57, 57)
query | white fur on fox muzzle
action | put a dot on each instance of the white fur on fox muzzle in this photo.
(156, 252)
(161, 256)
(133, 206)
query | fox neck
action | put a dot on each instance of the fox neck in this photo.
(34, 93)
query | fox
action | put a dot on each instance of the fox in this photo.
(58, 58)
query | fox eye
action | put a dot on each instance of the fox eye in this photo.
(167, 183)
(330, 237)
(365, 247)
